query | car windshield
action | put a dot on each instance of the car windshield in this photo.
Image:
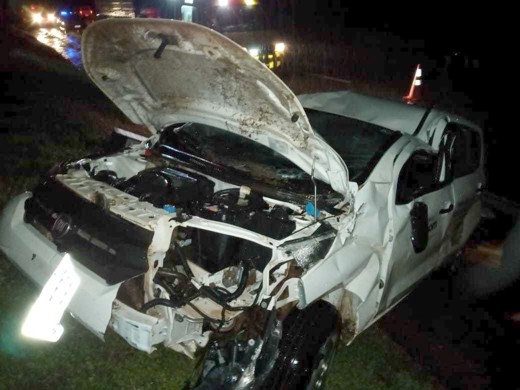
(234, 156)
(360, 144)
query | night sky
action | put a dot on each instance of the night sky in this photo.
(471, 27)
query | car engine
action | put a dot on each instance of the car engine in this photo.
(193, 194)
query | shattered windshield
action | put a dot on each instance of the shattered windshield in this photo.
(360, 144)
(233, 155)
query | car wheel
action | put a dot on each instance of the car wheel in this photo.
(306, 350)
(325, 357)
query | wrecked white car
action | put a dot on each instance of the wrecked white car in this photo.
(255, 226)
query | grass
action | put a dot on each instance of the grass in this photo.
(82, 361)
(54, 113)
(79, 360)
(50, 112)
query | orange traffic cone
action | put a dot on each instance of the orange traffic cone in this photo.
(415, 88)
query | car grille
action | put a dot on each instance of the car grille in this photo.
(108, 245)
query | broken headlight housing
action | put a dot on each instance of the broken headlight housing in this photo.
(307, 251)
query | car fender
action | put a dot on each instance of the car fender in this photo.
(343, 264)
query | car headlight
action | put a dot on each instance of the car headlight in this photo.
(308, 251)
(254, 51)
(279, 47)
(51, 18)
(43, 320)
(37, 18)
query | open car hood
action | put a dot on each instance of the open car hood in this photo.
(161, 72)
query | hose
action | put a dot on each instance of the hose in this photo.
(159, 301)
(168, 302)
(184, 262)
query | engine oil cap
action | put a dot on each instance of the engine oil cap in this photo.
(170, 208)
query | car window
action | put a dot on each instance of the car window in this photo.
(465, 152)
(360, 144)
(417, 177)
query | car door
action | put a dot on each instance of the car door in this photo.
(467, 182)
(422, 203)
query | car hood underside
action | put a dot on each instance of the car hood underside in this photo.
(161, 72)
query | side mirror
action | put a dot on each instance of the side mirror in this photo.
(419, 221)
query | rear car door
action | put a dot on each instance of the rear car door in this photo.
(467, 181)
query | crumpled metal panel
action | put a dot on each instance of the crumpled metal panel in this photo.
(393, 115)
(160, 72)
(199, 70)
(383, 112)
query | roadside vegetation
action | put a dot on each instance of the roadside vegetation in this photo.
(51, 112)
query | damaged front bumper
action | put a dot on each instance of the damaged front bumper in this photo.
(97, 305)
(94, 302)
(37, 257)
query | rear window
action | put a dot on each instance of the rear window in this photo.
(360, 144)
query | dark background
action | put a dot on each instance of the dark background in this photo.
(438, 31)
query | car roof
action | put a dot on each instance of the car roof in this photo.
(391, 114)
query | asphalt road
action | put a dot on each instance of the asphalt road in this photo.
(66, 44)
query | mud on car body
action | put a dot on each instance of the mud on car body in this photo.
(237, 229)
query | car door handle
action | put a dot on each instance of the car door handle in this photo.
(447, 209)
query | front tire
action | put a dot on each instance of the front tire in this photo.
(307, 348)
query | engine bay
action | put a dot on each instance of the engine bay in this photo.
(192, 194)
(220, 250)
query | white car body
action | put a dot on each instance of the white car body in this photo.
(370, 264)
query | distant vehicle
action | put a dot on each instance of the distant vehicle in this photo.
(38, 15)
(77, 18)
(243, 21)
(254, 228)
(149, 12)
(115, 8)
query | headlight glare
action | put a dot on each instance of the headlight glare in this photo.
(37, 18)
(279, 47)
